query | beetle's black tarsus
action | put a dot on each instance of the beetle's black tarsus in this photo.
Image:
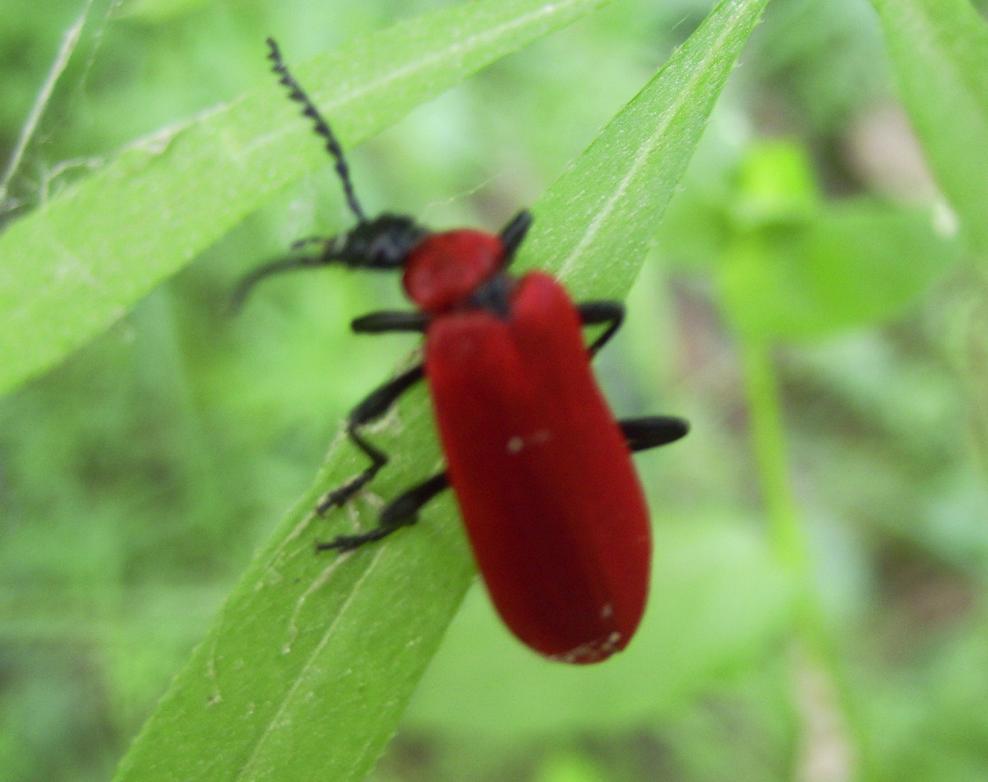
(350, 542)
(642, 434)
(309, 109)
(594, 312)
(374, 406)
(400, 512)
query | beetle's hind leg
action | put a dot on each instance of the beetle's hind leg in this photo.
(641, 434)
(374, 406)
(400, 512)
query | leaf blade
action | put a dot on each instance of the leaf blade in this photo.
(686, 96)
(939, 50)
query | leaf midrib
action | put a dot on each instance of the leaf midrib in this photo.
(645, 150)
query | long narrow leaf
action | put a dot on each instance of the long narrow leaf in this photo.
(312, 660)
(78, 263)
(939, 49)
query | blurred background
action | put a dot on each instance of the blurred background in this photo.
(805, 306)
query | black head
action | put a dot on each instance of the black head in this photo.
(381, 243)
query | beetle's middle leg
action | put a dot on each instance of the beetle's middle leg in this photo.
(374, 406)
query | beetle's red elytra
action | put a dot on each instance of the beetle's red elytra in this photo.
(540, 468)
(555, 514)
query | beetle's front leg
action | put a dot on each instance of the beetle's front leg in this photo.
(378, 403)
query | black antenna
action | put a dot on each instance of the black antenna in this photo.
(247, 284)
(297, 94)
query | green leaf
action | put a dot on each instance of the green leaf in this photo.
(312, 660)
(80, 261)
(858, 262)
(939, 49)
(161, 11)
(655, 135)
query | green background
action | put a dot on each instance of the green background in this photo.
(809, 301)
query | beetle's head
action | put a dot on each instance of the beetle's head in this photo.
(382, 243)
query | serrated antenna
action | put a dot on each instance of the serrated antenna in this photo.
(297, 94)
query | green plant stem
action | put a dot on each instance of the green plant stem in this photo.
(790, 542)
(787, 533)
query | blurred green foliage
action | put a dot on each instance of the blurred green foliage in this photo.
(807, 304)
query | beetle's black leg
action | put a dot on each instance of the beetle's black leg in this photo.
(594, 312)
(400, 512)
(644, 433)
(641, 433)
(377, 322)
(513, 233)
(374, 406)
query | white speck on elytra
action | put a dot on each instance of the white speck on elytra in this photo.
(518, 443)
(607, 611)
(592, 650)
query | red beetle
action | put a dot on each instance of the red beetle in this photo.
(541, 470)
